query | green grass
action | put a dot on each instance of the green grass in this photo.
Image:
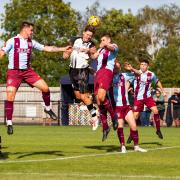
(40, 143)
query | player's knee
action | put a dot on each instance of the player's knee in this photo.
(133, 127)
(84, 97)
(45, 89)
(101, 99)
(155, 111)
(10, 95)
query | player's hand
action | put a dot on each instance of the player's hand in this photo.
(92, 50)
(86, 50)
(128, 66)
(67, 52)
(68, 48)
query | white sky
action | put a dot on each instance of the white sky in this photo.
(134, 5)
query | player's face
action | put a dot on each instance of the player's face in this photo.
(158, 93)
(29, 31)
(117, 68)
(87, 36)
(144, 67)
(104, 41)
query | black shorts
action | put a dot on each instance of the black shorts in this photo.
(161, 114)
(79, 79)
(176, 114)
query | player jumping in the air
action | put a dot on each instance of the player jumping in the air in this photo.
(79, 70)
(19, 50)
(105, 56)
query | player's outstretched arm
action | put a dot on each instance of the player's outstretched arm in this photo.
(110, 47)
(2, 53)
(56, 49)
(161, 88)
(129, 67)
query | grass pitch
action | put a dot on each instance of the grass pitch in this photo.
(74, 152)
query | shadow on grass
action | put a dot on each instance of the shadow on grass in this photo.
(112, 148)
(109, 148)
(155, 143)
(5, 155)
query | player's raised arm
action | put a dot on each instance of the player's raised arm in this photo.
(107, 44)
(129, 67)
(56, 49)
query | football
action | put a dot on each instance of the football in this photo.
(94, 21)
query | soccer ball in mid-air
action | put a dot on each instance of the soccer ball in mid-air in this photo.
(94, 21)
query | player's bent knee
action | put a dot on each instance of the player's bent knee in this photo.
(101, 99)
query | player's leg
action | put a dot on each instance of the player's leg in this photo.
(137, 108)
(13, 82)
(150, 103)
(136, 116)
(80, 79)
(133, 131)
(103, 119)
(157, 121)
(104, 100)
(120, 134)
(43, 87)
(9, 107)
(33, 79)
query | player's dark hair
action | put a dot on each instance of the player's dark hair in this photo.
(26, 24)
(89, 28)
(144, 60)
(107, 36)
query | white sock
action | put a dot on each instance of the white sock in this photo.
(47, 108)
(9, 122)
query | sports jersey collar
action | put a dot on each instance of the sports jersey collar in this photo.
(19, 36)
(143, 72)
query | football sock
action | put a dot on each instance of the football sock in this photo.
(9, 106)
(135, 137)
(120, 134)
(92, 110)
(103, 117)
(107, 104)
(46, 98)
(157, 121)
(9, 122)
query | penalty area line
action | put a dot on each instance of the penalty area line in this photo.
(80, 156)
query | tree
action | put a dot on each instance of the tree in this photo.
(55, 22)
(124, 30)
(167, 66)
(161, 25)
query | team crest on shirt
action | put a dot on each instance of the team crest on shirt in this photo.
(9, 81)
(135, 107)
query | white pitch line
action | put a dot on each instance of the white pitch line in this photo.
(90, 175)
(80, 156)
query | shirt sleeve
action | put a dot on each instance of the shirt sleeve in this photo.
(154, 78)
(116, 49)
(8, 46)
(37, 45)
(129, 76)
